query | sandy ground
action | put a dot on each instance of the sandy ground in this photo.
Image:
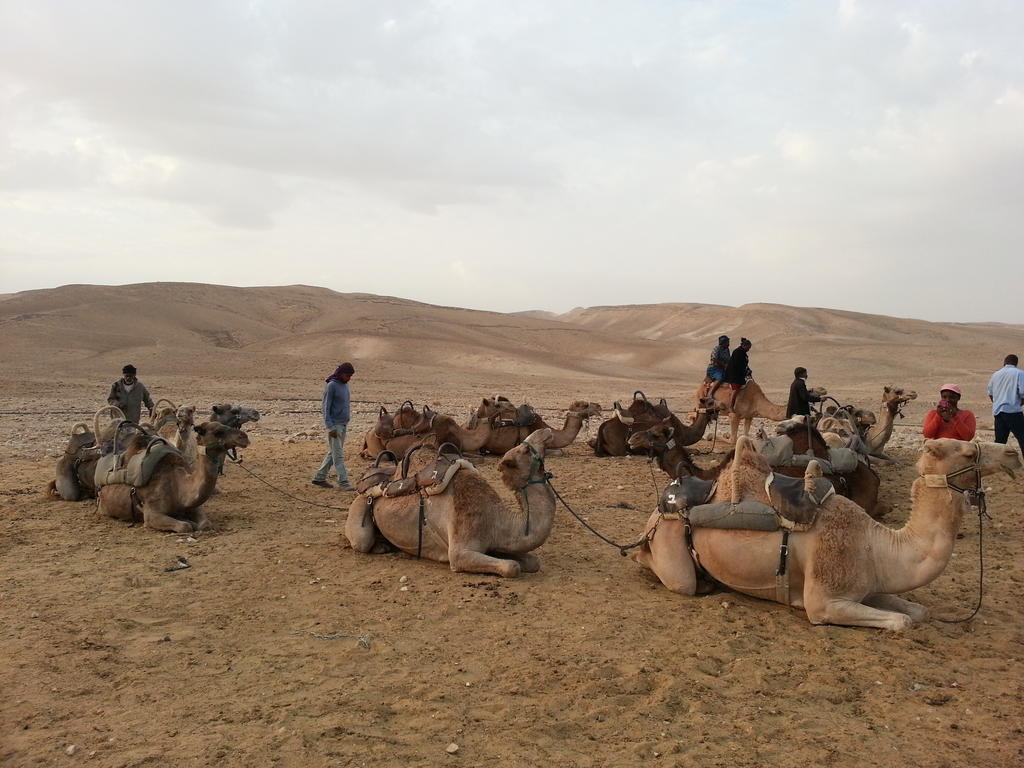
(587, 663)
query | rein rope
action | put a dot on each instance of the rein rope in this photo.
(975, 497)
(238, 463)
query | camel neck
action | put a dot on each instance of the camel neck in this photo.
(202, 481)
(921, 549)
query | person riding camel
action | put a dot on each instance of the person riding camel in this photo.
(738, 370)
(719, 362)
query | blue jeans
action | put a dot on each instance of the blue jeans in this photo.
(335, 455)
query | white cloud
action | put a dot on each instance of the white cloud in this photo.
(564, 139)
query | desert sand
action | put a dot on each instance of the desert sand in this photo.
(588, 663)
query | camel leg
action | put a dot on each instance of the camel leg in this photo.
(158, 521)
(886, 602)
(746, 425)
(667, 556)
(850, 613)
(529, 563)
(478, 562)
(360, 530)
(115, 501)
(734, 427)
(200, 519)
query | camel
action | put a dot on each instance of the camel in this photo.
(613, 436)
(233, 415)
(893, 398)
(75, 468)
(467, 525)
(185, 435)
(407, 421)
(172, 499)
(504, 437)
(384, 435)
(861, 485)
(750, 401)
(845, 568)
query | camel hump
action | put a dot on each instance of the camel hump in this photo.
(139, 469)
(390, 480)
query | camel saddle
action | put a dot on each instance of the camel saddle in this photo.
(526, 416)
(791, 508)
(138, 470)
(380, 479)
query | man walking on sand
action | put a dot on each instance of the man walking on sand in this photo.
(1006, 391)
(336, 415)
(129, 394)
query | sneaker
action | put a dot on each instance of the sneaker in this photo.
(322, 483)
(345, 486)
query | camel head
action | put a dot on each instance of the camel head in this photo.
(185, 417)
(213, 434)
(164, 412)
(500, 407)
(657, 436)
(710, 406)
(585, 409)
(234, 415)
(945, 456)
(894, 397)
(385, 426)
(525, 462)
(864, 418)
(818, 391)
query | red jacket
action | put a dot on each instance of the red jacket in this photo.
(961, 427)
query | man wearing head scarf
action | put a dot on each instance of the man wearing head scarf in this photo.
(128, 394)
(336, 415)
(946, 419)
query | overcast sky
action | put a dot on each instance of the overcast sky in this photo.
(522, 155)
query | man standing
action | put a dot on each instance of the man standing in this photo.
(717, 365)
(799, 398)
(128, 394)
(738, 369)
(1006, 391)
(336, 414)
(946, 419)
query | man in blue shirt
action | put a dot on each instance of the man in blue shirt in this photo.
(1006, 391)
(336, 415)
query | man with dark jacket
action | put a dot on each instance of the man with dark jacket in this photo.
(738, 369)
(128, 394)
(799, 398)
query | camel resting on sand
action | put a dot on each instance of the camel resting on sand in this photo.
(846, 568)
(505, 436)
(613, 435)
(467, 525)
(172, 499)
(893, 399)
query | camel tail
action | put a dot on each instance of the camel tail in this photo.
(50, 492)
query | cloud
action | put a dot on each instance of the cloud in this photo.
(561, 141)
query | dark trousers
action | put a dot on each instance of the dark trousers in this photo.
(1010, 423)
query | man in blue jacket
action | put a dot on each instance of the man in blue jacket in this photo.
(336, 415)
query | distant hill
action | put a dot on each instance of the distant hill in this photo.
(282, 331)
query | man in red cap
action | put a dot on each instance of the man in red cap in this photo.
(947, 420)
